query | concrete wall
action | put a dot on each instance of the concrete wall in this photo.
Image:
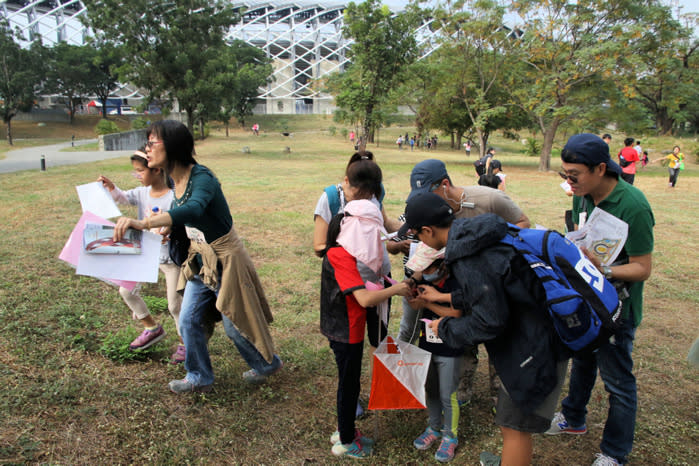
(128, 140)
(41, 115)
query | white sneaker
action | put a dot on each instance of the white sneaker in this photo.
(604, 460)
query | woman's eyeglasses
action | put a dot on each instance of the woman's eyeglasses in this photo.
(150, 144)
(565, 176)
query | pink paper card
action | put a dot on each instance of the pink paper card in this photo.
(71, 250)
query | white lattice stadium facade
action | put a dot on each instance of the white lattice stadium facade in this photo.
(303, 39)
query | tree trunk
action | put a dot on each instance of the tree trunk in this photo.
(367, 130)
(226, 124)
(190, 120)
(104, 107)
(482, 142)
(201, 128)
(664, 122)
(9, 131)
(549, 135)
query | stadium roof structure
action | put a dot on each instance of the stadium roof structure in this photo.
(302, 37)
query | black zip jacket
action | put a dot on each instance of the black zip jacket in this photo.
(504, 307)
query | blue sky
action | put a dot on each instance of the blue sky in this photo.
(690, 6)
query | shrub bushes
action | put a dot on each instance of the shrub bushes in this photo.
(106, 127)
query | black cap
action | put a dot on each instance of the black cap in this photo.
(589, 149)
(425, 174)
(426, 209)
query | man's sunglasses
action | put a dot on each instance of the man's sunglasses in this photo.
(565, 176)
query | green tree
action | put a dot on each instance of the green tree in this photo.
(384, 46)
(169, 44)
(245, 70)
(566, 47)
(473, 59)
(21, 76)
(666, 68)
(69, 71)
(416, 92)
(104, 65)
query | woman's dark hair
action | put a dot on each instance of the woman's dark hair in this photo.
(333, 232)
(489, 180)
(357, 156)
(490, 149)
(629, 141)
(366, 177)
(178, 142)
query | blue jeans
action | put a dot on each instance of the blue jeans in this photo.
(615, 366)
(198, 316)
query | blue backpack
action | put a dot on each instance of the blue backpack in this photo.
(583, 304)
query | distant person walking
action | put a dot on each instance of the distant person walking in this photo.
(256, 129)
(483, 164)
(675, 163)
(627, 160)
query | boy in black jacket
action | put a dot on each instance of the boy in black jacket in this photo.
(504, 307)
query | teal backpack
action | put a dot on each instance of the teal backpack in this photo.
(334, 198)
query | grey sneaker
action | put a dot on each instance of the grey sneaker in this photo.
(255, 378)
(559, 425)
(185, 386)
(488, 459)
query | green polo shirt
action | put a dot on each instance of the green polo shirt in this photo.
(629, 204)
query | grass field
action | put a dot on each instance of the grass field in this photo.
(66, 403)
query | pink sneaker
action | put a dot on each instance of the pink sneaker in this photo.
(178, 356)
(148, 338)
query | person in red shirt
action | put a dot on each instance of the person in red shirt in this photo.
(353, 235)
(628, 156)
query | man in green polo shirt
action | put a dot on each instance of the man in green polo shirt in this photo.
(595, 182)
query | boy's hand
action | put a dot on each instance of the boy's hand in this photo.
(396, 247)
(434, 325)
(428, 293)
(417, 303)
